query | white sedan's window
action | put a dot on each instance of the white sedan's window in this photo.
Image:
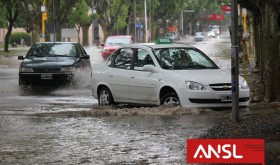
(123, 58)
(183, 58)
(142, 58)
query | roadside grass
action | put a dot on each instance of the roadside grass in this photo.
(13, 52)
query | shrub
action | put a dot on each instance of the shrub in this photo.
(17, 36)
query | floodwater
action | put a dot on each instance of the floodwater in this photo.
(65, 125)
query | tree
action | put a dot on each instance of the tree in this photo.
(3, 23)
(12, 10)
(32, 24)
(79, 16)
(112, 14)
(58, 15)
(266, 24)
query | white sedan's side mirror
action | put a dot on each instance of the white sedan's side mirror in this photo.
(150, 68)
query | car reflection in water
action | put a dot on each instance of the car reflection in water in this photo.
(52, 63)
(164, 74)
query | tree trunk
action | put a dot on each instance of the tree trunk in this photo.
(36, 34)
(7, 37)
(267, 50)
(266, 32)
(78, 29)
(85, 35)
(12, 14)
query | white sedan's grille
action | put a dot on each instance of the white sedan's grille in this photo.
(221, 87)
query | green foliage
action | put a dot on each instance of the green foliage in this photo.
(17, 36)
(119, 12)
(79, 14)
(3, 23)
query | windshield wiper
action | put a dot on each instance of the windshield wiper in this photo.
(57, 55)
(199, 67)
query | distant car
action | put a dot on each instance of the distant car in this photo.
(199, 36)
(211, 34)
(114, 42)
(172, 35)
(163, 74)
(53, 63)
(216, 29)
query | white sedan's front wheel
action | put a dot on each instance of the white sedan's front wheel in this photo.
(105, 97)
(170, 99)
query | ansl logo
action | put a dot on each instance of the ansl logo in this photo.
(225, 151)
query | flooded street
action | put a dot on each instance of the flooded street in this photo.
(47, 125)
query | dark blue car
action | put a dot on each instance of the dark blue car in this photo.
(53, 63)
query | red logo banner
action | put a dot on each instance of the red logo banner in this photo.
(225, 151)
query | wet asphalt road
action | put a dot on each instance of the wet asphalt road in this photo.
(64, 125)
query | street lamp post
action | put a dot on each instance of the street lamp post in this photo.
(92, 24)
(135, 29)
(43, 10)
(234, 62)
(146, 24)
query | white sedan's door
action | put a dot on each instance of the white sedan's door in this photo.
(118, 81)
(144, 86)
(118, 75)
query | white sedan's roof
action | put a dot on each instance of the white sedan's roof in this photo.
(157, 46)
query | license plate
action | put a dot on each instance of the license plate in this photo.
(46, 76)
(226, 98)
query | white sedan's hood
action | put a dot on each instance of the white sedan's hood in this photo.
(204, 76)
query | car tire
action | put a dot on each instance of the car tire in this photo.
(105, 97)
(170, 99)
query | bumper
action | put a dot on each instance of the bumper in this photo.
(199, 39)
(212, 99)
(45, 78)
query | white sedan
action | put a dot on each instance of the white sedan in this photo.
(164, 74)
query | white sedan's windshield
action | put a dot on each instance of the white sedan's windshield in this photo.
(183, 58)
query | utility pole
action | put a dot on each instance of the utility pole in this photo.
(44, 17)
(54, 24)
(135, 37)
(146, 24)
(234, 62)
(92, 24)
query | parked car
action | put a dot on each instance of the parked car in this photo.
(53, 63)
(216, 29)
(172, 35)
(114, 42)
(164, 74)
(199, 36)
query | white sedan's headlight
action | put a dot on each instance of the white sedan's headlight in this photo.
(244, 85)
(23, 69)
(194, 86)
